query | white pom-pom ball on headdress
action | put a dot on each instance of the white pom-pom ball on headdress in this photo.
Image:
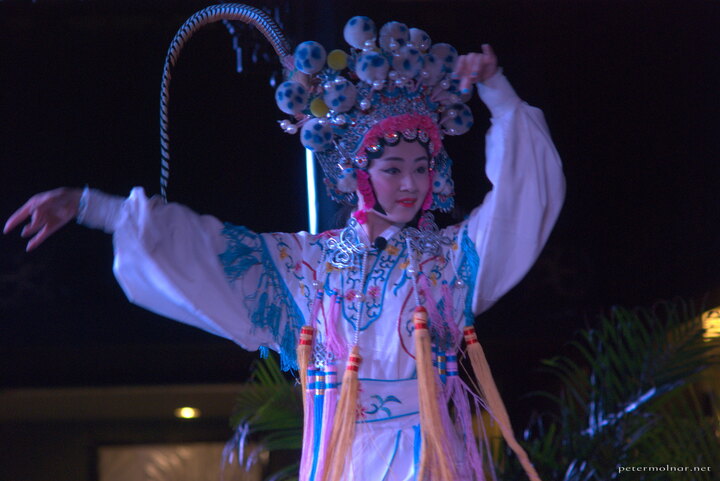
(456, 119)
(317, 135)
(291, 97)
(447, 54)
(359, 31)
(393, 35)
(408, 61)
(310, 57)
(372, 66)
(347, 180)
(340, 95)
(419, 39)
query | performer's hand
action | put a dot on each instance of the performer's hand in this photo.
(475, 67)
(48, 211)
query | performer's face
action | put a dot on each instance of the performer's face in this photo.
(400, 181)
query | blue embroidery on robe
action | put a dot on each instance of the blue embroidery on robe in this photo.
(270, 305)
(468, 273)
(380, 405)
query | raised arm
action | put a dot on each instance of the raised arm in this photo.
(511, 226)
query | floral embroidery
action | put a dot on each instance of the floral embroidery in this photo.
(269, 303)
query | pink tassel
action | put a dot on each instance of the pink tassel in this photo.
(457, 392)
(333, 342)
(449, 311)
(436, 320)
(308, 423)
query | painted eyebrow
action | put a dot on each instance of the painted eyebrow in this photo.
(401, 159)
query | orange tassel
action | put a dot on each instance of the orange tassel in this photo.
(343, 430)
(304, 354)
(434, 459)
(494, 401)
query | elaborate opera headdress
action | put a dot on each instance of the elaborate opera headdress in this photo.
(348, 105)
(391, 85)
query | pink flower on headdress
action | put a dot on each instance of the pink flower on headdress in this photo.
(400, 123)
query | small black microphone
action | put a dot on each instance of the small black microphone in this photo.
(380, 243)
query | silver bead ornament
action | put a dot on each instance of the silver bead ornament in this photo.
(459, 283)
(369, 45)
(456, 119)
(447, 54)
(358, 31)
(364, 104)
(419, 39)
(310, 57)
(371, 66)
(359, 296)
(291, 97)
(394, 33)
(317, 284)
(361, 162)
(408, 62)
(316, 136)
(291, 129)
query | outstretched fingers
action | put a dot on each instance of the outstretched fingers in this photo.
(48, 212)
(19, 216)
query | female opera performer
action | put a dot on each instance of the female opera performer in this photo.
(375, 315)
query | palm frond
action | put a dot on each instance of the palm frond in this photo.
(629, 397)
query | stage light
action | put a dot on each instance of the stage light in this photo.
(311, 192)
(711, 324)
(187, 412)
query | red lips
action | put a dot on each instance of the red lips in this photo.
(407, 202)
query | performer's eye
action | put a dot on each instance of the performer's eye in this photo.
(392, 170)
(422, 169)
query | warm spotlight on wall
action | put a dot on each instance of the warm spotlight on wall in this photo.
(187, 412)
(711, 324)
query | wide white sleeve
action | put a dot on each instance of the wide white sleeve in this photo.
(509, 229)
(194, 269)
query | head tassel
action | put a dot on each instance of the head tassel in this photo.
(435, 461)
(495, 404)
(343, 430)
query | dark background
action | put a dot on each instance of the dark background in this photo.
(629, 90)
